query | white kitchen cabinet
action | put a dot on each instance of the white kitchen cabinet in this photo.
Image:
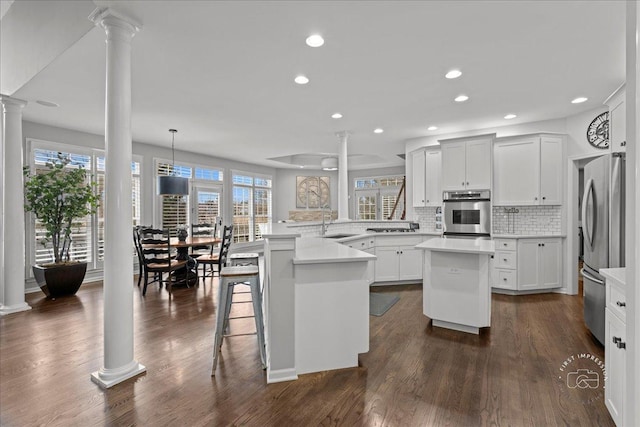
(505, 263)
(426, 179)
(617, 120)
(528, 170)
(539, 263)
(398, 259)
(466, 163)
(615, 352)
(398, 263)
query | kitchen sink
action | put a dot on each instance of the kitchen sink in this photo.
(339, 236)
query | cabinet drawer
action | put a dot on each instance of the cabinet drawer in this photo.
(505, 244)
(617, 302)
(505, 260)
(505, 279)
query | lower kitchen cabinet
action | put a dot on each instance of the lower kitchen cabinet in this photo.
(539, 264)
(398, 263)
(615, 352)
(527, 264)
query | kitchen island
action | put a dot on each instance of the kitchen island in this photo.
(456, 291)
(316, 304)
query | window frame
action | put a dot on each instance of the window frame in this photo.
(380, 191)
(255, 235)
(33, 144)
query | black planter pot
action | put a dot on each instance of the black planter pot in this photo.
(60, 280)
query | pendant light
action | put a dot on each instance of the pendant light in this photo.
(172, 184)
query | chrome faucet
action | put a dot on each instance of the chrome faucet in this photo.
(325, 225)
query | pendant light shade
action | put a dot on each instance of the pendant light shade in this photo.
(173, 185)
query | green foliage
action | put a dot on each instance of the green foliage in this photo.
(57, 197)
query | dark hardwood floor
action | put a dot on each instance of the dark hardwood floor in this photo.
(413, 374)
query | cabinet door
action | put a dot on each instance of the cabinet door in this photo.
(453, 166)
(418, 177)
(617, 127)
(551, 170)
(516, 172)
(615, 360)
(550, 263)
(410, 263)
(478, 164)
(371, 272)
(528, 264)
(387, 264)
(433, 189)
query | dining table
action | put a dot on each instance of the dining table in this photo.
(189, 274)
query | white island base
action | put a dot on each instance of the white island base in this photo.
(456, 286)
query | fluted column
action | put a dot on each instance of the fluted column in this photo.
(119, 363)
(343, 177)
(12, 231)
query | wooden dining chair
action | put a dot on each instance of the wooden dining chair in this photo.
(217, 259)
(136, 244)
(155, 246)
(203, 230)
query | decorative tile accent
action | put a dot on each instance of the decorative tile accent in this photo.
(426, 218)
(527, 220)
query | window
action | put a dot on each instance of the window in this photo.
(376, 198)
(90, 229)
(251, 206)
(203, 207)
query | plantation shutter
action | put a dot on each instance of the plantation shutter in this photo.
(175, 209)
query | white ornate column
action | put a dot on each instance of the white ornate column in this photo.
(343, 177)
(119, 363)
(12, 231)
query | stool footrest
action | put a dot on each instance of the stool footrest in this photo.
(240, 335)
(241, 317)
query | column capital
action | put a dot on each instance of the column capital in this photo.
(107, 18)
(12, 104)
(343, 134)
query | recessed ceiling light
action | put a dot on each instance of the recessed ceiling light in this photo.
(301, 166)
(378, 130)
(301, 80)
(47, 103)
(461, 98)
(432, 128)
(510, 116)
(315, 40)
(336, 116)
(453, 74)
(579, 100)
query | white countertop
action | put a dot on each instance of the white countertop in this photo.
(459, 245)
(619, 275)
(316, 250)
(525, 236)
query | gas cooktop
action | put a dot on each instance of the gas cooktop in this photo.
(390, 230)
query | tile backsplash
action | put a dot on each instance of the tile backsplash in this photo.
(426, 217)
(527, 220)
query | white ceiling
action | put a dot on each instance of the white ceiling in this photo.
(222, 72)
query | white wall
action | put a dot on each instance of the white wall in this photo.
(284, 199)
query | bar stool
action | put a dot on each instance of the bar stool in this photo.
(230, 277)
(246, 258)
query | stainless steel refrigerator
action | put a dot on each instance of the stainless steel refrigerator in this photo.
(603, 228)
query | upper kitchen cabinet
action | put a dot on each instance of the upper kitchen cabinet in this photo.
(427, 187)
(617, 120)
(528, 170)
(466, 163)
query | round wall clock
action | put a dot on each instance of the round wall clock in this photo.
(598, 131)
(312, 192)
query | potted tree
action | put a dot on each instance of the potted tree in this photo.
(59, 196)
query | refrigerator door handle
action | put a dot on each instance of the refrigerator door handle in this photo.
(590, 277)
(587, 200)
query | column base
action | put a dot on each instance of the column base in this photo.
(8, 309)
(107, 378)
